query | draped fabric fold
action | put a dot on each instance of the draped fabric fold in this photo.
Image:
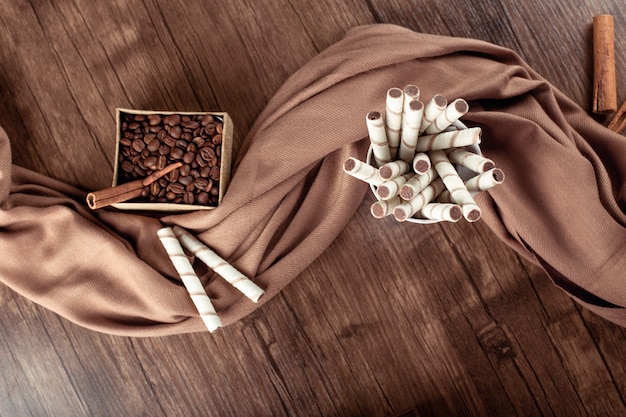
(562, 205)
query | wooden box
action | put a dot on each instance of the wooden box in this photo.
(181, 136)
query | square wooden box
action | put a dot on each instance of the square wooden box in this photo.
(224, 160)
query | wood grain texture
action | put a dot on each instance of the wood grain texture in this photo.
(441, 318)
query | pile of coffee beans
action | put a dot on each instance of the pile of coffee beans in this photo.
(151, 142)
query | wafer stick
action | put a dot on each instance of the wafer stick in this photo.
(455, 184)
(485, 181)
(393, 169)
(470, 160)
(453, 112)
(411, 92)
(416, 184)
(408, 208)
(421, 163)
(432, 109)
(393, 119)
(219, 265)
(190, 279)
(452, 139)
(378, 138)
(362, 171)
(412, 118)
(391, 188)
(439, 211)
(383, 208)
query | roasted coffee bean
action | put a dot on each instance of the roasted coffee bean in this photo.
(155, 189)
(176, 188)
(185, 180)
(173, 175)
(169, 141)
(172, 120)
(161, 162)
(214, 191)
(198, 141)
(191, 147)
(133, 126)
(189, 157)
(200, 160)
(206, 119)
(125, 142)
(149, 137)
(170, 196)
(194, 173)
(188, 198)
(217, 139)
(145, 192)
(128, 166)
(202, 198)
(200, 183)
(154, 119)
(138, 145)
(219, 128)
(206, 153)
(205, 172)
(184, 170)
(176, 153)
(215, 173)
(150, 162)
(176, 132)
(153, 145)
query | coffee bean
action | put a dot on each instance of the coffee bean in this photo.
(169, 141)
(200, 182)
(189, 157)
(203, 198)
(184, 170)
(188, 197)
(176, 188)
(185, 180)
(176, 153)
(150, 162)
(215, 173)
(138, 145)
(176, 132)
(128, 166)
(154, 119)
(153, 145)
(161, 162)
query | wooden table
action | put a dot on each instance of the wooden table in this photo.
(459, 325)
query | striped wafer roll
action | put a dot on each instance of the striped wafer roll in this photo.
(378, 137)
(485, 181)
(393, 119)
(408, 208)
(411, 92)
(391, 188)
(412, 118)
(219, 265)
(190, 279)
(421, 163)
(439, 211)
(470, 160)
(453, 112)
(432, 110)
(455, 184)
(362, 171)
(452, 139)
(416, 184)
(383, 208)
(393, 169)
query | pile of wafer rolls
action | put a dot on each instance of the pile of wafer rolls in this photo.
(173, 241)
(423, 163)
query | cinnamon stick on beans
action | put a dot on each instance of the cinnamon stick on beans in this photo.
(604, 84)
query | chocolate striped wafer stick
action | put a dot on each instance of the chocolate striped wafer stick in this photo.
(408, 208)
(362, 171)
(453, 112)
(470, 160)
(190, 279)
(451, 139)
(432, 109)
(485, 181)
(391, 188)
(416, 184)
(441, 211)
(393, 169)
(411, 92)
(383, 208)
(393, 119)
(219, 265)
(412, 118)
(455, 184)
(421, 163)
(378, 138)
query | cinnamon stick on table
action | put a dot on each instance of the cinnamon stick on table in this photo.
(604, 84)
(127, 191)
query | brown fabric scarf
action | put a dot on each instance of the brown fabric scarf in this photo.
(562, 204)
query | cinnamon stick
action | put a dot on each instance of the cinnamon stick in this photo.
(604, 84)
(618, 123)
(127, 191)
